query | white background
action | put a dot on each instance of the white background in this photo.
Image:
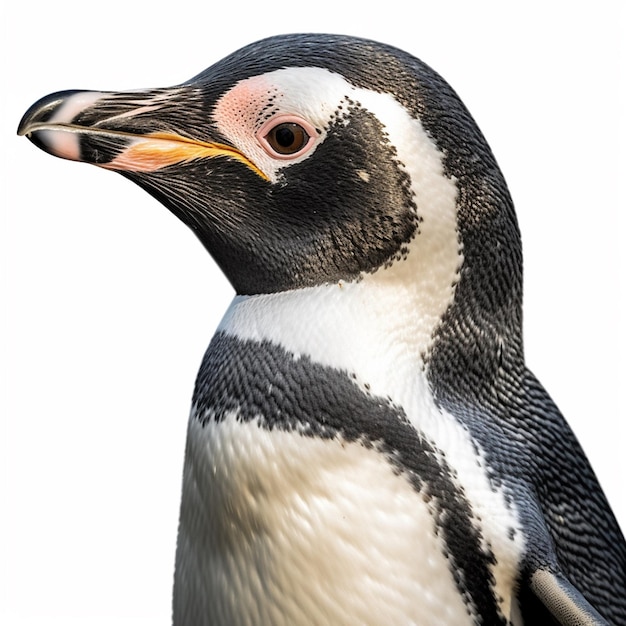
(110, 301)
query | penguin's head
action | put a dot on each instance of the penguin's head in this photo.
(303, 160)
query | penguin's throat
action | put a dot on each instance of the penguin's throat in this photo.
(368, 328)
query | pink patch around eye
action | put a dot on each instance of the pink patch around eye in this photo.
(236, 111)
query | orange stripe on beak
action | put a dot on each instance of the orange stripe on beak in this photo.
(154, 151)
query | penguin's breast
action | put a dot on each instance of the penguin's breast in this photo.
(322, 482)
(280, 527)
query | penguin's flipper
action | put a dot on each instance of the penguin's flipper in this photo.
(562, 600)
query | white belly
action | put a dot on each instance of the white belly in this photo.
(282, 528)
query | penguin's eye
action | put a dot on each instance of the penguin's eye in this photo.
(286, 136)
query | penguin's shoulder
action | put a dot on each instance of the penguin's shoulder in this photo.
(571, 536)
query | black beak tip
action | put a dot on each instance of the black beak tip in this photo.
(42, 110)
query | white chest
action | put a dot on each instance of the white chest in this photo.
(278, 527)
(282, 528)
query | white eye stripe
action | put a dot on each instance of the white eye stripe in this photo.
(320, 98)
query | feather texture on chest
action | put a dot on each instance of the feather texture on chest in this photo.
(291, 529)
(284, 451)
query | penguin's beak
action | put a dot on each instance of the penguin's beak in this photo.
(139, 131)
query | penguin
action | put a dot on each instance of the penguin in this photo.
(366, 444)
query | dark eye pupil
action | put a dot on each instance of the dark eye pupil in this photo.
(284, 136)
(287, 138)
